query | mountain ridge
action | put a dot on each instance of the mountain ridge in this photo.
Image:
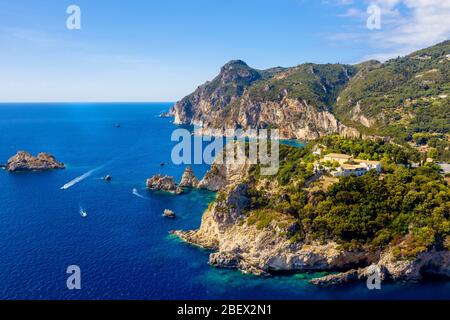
(310, 100)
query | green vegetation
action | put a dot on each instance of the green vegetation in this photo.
(402, 97)
(318, 85)
(377, 150)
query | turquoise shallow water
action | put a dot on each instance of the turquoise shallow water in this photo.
(123, 247)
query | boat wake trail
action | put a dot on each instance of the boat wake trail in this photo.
(137, 194)
(78, 179)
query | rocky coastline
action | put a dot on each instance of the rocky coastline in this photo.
(163, 183)
(167, 183)
(237, 243)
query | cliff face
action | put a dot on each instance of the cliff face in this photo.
(297, 100)
(23, 161)
(215, 95)
(227, 227)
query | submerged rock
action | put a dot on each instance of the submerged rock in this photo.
(189, 180)
(24, 161)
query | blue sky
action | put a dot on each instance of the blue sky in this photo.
(162, 50)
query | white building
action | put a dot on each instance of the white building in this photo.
(349, 166)
(338, 157)
(445, 167)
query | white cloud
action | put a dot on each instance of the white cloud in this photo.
(425, 23)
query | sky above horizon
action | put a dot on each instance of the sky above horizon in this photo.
(162, 50)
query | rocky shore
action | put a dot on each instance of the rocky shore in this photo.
(24, 161)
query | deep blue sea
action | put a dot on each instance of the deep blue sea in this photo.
(123, 246)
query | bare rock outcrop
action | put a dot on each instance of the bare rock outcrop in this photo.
(335, 279)
(223, 174)
(24, 161)
(436, 262)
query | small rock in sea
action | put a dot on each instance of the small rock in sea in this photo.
(169, 213)
(166, 183)
(166, 115)
(107, 178)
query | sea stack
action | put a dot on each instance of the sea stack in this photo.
(169, 214)
(24, 161)
(189, 180)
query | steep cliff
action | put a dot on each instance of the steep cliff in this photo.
(296, 100)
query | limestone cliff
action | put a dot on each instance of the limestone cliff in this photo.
(296, 100)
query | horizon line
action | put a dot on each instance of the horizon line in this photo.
(82, 102)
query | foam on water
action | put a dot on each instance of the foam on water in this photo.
(78, 179)
(137, 194)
